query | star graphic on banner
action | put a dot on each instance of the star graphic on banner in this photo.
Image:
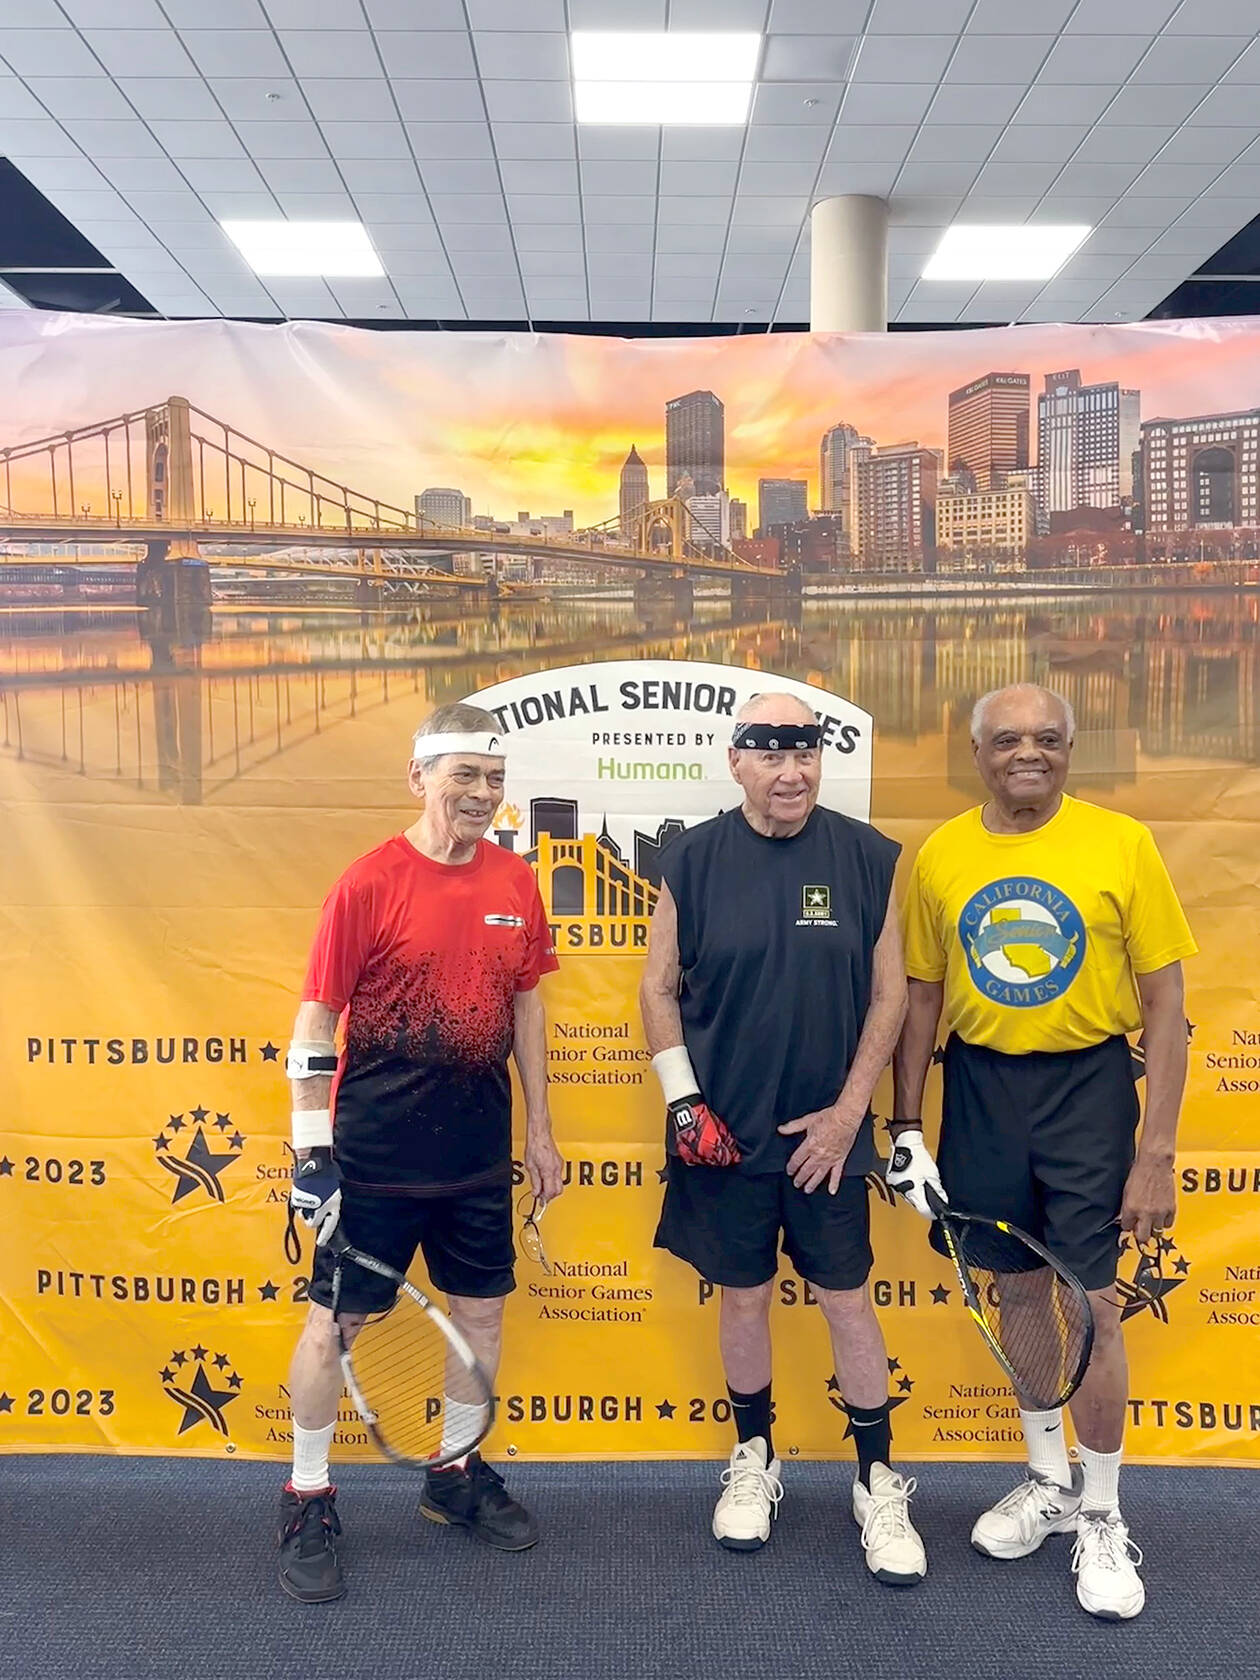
(905, 1385)
(178, 1358)
(269, 1290)
(1189, 1029)
(1181, 1265)
(222, 1122)
(893, 1365)
(168, 1376)
(6, 1167)
(663, 1174)
(234, 1381)
(161, 1141)
(199, 1169)
(221, 1361)
(1165, 1245)
(176, 1122)
(938, 1055)
(269, 1051)
(202, 1402)
(198, 1352)
(833, 1384)
(199, 1115)
(940, 1295)
(6, 1402)
(665, 1410)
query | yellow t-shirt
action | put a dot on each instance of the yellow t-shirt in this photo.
(1038, 936)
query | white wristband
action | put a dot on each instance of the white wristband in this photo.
(312, 1128)
(677, 1076)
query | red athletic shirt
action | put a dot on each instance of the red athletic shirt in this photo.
(427, 958)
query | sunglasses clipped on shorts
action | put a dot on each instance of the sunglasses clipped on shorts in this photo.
(531, 1209)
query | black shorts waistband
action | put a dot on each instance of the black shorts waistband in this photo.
(1115, 1045)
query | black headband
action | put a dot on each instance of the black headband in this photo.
(777, 737)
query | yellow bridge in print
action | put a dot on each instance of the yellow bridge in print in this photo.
(181, 483)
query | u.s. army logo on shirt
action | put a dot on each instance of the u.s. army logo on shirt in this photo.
(815, 903)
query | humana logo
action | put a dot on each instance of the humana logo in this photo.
(633, 770)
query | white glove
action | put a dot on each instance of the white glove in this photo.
(911, 1168)
(315, 1195)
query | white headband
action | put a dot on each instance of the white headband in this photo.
(435, 746)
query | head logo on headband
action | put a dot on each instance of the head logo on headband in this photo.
(437, 746)
(777, 737)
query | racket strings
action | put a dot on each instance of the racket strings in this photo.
(1039, 1320)
(406, 1371)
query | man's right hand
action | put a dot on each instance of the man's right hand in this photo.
(912, 1170)
(701, 1139)
(316, 1193)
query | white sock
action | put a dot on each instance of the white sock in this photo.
(310, 1458)
(1102, 1480)
(462, 1425)
(1047, 1446)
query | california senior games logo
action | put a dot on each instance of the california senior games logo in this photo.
(607, 763)
(1024, 940)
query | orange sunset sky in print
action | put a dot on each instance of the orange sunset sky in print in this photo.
(544, 423)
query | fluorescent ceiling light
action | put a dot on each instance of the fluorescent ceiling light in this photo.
(1032, 252)
(676, 77)
(332, 249)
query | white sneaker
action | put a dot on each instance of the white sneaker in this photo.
(1016, 1526)
(1104, 1561)
(750, 1499)
(894, 1551)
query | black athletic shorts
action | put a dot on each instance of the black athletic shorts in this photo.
(727, 1225)
(466, 1240)
(1044, 1140)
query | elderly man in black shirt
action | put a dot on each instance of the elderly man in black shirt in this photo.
(772, 999)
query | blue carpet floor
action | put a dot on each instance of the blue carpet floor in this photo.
(143, 1569)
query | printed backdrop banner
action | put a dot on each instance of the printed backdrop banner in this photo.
(176, 798)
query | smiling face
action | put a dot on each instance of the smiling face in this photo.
(1024, 750)
(780, 788)
(461, 793)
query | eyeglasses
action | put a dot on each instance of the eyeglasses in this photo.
(531, 1209)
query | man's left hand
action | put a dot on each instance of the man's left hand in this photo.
(544, 1164)
(821, 1157)
(1150, 1199)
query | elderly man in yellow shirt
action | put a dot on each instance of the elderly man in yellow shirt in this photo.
(1046, 929)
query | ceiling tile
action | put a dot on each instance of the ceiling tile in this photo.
(945, 178)
(19, 102)
(784, 143)
(468, 236)
(1120, 241)
(450, 140)
(770, 212)
(444, 55)
(1120, 17)
(140, 52)
(1240, 180)
(347, 99)
(679, 238)
(954, 143)
(620, 14)
(113, 139)
(800, 58)
(479, 208)
(181, 98)
(482, 265)
(247, 99)
(908, 17)
(1100, 179)
(20, 139)
(429, 101)
(1174, 179)
(71, 96)
(77, 173)
(198, 139)
(998, 58)
(689, 145)
(391, 207)
(626, 209)
(938, 300)
(456, 175)
(413, 265)
(690, 266)
(366, 139)
(113, 237)
(602, 177)
(224, 52)
(809, 102)
(221, 175)
(1183, 58)
(529, 101)
(549, 176)
(158, 207)
(1000, 17)
(114, 14)
(302, 297)
(777, 177)
(546, 236)
(896, 58)
(1124, 144)
(1082, 59)
(391, 238)
(871, 143)
(1048, 104)
(714, 211)
(143, 174)
(1229, 106)
(282, 139)
(559, 266)
(431, 299)
(839, 176)
(635, 268)
(537, 56)
(242, 206)
(300, 174)
(1035, 143)
(1143, 213)
(1229, 214)
(527, 141)
(884, 103)
(545, 207)
(970, 103)
(88, 203)
(47, 52)
(322, 206)
(637, 236)
(380, 175)
(330, 52)
(230, 14)
(1192, 144)
(1247, 68)
(683, 178)
(1214, 17)
(998, 207)
(517, 14)
(1147, 105)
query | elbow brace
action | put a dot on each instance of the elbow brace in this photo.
(309, 1059)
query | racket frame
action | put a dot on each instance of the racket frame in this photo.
(944, 1216)
(346, 1252)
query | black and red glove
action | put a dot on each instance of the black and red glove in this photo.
(701, 1139)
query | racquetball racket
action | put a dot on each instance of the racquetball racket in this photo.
(405, 1366)
(1031, 1310)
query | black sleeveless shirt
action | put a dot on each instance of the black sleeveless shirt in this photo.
(776, 939)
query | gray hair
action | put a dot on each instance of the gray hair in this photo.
(982, 705)
(456, 717)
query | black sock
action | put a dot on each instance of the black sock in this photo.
(752, 1416)
(871, 1430)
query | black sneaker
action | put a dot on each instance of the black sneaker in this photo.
(309, 1569)
(475, 1498)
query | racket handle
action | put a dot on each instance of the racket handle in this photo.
(936, 1202)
